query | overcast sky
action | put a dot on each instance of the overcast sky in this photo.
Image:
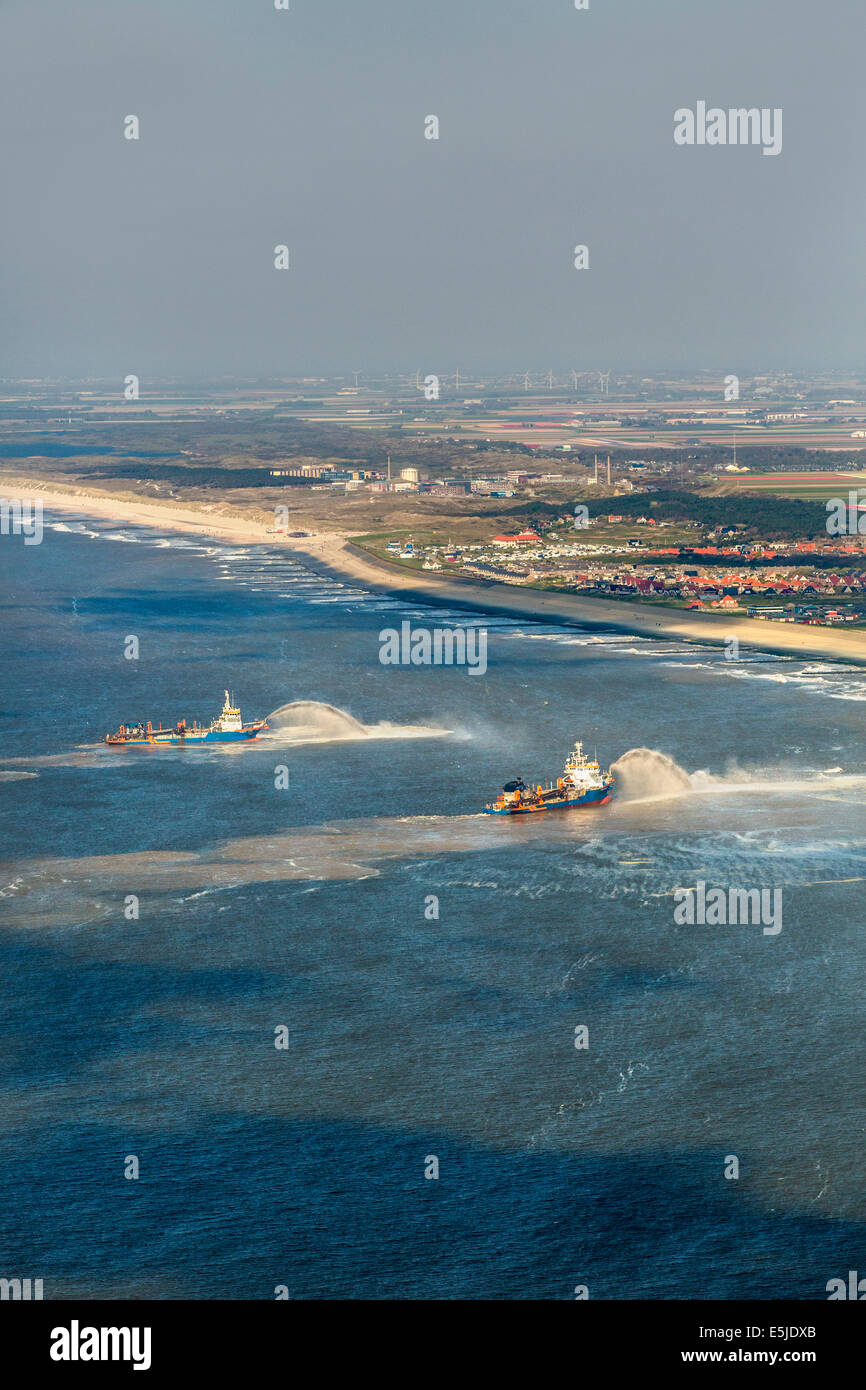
(306, 127)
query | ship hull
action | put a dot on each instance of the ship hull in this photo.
(596, 796)
(188, 739)
(233, 736)
(228, 727)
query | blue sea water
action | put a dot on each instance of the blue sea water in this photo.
(413, 1036)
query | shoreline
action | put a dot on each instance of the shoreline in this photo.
(338, 554)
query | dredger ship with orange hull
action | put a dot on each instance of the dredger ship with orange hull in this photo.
(228, 727)
(582, 784)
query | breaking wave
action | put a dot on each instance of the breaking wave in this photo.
(833, 680)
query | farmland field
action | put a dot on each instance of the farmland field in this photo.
(811, 487)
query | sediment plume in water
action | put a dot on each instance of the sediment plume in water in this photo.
(70, 891)
(54, 892)
(642, 773)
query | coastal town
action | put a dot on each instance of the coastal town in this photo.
(805, 581)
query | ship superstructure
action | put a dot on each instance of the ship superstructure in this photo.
(228, 727)
(582, 784)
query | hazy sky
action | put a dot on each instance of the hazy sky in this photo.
(261, 127)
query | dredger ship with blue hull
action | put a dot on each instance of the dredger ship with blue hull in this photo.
(582, 784)
(228, 727)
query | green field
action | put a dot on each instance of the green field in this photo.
(808, 487)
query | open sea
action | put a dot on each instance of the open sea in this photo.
(168, 915)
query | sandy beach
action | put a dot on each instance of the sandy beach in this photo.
(337, 553)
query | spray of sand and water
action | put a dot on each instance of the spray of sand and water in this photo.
(313, 721)
(645, 773)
